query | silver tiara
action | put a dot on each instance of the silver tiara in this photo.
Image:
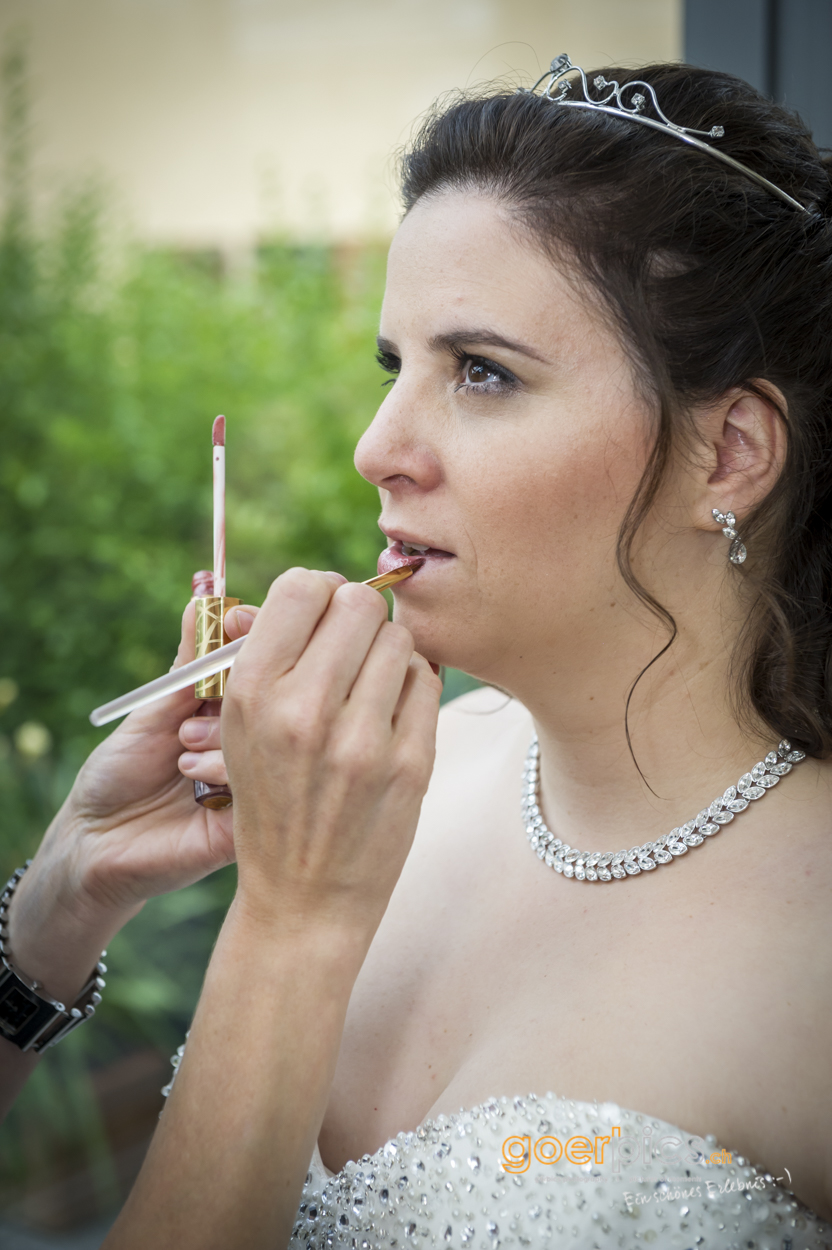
(631, 108)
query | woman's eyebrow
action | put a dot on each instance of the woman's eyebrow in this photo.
(454, 340)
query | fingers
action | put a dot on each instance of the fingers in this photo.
(418, 708)
(377, 689)
(201, 733)
(340, 645)
(239, 620)
(207, 766)
(187, 642)
(237, 623)
(282, 629)
(204, 760)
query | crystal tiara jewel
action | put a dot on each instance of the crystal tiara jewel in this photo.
(631, 106)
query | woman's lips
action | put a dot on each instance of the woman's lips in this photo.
(394, 558)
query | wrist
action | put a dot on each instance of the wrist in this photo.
(55, 938)
(30, 1017)
(319, 941)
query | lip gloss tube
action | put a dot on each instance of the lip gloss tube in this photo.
(210, 635)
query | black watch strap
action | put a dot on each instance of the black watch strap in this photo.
(29, 1018)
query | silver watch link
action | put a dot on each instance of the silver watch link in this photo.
(30, 1018)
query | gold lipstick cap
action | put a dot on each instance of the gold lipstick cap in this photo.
(210, 635)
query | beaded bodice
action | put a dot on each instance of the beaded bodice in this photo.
(482, 1180)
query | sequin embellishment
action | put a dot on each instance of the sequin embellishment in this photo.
(445, 1185)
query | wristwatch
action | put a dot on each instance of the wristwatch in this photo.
(30, 1018)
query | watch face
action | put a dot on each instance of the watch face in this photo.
(17, 1008)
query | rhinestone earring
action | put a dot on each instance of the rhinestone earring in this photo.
(728, 521)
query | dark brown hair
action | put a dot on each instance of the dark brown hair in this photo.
(713, 283)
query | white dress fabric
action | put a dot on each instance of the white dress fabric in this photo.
(446, 1184)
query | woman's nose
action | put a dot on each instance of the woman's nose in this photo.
(393, 452)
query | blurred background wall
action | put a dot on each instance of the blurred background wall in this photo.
(218, 121)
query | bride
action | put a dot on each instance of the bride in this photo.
(609, 356)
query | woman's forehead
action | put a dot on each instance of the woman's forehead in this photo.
(460, 258)
(469, 234)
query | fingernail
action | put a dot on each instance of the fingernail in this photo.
(195, 731)
(244, 620)
(338, 578)
(188, 761)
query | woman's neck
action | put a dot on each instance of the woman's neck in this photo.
(683, 730)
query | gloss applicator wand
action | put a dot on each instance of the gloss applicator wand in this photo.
(210, 663)
(218, 445)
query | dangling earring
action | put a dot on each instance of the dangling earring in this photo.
(728, 521)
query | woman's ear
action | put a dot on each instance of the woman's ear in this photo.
(745, 445)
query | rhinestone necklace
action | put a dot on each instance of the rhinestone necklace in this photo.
(611, 866)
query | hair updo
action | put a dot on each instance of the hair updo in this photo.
(713, 282)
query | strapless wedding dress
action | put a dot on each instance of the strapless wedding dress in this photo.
(449, 1184)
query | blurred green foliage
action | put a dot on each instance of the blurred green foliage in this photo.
(113, 364)
(111, 372)
(107, 395)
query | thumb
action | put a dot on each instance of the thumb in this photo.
(187, 643)
(239, 620)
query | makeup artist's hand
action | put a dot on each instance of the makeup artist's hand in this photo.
(202, 758)
(129, 829)
(328, 731)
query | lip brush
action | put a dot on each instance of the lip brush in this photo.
(206, 666)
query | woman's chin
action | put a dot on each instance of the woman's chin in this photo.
(426, 641)
(442, 643)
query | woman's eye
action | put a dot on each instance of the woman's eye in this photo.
(390, 364)
(484, 376)
(477, 372)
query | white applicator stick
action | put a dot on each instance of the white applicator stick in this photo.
(218, 440)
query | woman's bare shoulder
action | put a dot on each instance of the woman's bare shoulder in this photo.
(475, 721)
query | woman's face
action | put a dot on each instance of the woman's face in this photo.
(512, 439)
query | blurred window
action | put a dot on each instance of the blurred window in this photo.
(780, 46)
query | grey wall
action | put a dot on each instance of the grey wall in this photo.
(782, 47)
